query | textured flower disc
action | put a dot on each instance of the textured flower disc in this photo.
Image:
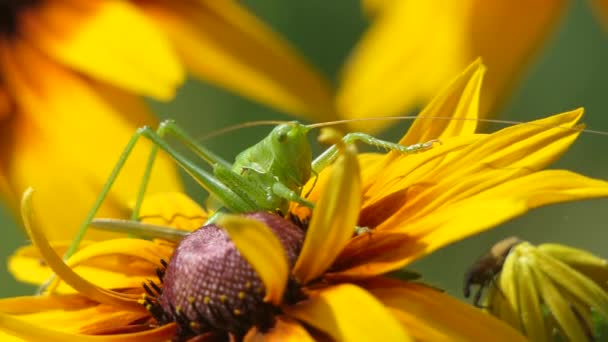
(208, 286)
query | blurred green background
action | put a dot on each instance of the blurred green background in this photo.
(571, 71)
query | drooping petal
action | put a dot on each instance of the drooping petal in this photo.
(110, 272)
(129, 252)
(405, 57)
(348, 313)
(83, 132)
(55, 262)
(91, 37)
(264, 252)
(431, 315)
(242, 54)
(172, 209)
(335, 217)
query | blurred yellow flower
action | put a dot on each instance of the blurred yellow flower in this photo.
(412, 48)
(302, 276)
(71, 73)
(551, 291)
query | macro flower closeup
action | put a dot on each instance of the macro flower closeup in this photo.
(313, 274)
(72, 74)
(551, 291)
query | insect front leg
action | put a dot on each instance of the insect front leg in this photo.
(207, 180)
(330, 155)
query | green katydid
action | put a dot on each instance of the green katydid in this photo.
(264, 177)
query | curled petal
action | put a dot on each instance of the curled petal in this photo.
(334, 219)
(264, 252)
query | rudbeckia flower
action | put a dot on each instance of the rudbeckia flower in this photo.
(550, 291)
(412, 48)
(309, 275)
(71, 74)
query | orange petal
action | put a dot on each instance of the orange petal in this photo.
(431, 315)
(285, 329)
(334, 219)
(348, 313)
(30, 332)
(91, 39)
(50, 129)
(264, 252)
(242, 54)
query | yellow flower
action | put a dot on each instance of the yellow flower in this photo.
(412, 48)
(322, 280)
(550, 291)
(70, 73)
(208, 289)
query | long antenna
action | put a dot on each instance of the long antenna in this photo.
(411, 117)
(239, 126)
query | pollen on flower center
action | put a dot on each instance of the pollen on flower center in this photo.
(209, 287)
(9, 15)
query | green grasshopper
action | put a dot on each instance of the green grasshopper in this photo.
(264, 177)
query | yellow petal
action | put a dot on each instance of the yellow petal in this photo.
(506, 38)
(77, 150)
(63, 271)
(264, 252)
(30, 332)
(242, 54)
(384, 251)
(584, 262)
(284, 329)
(28, 266)
(348, 313)
(334, 218)
(93, 40)
(532, 317)
(128, 251)
(460, 100)
(420, 307)
(406, 57)
(559, 307)
(172, 209)
(401, 60)
(32, 304)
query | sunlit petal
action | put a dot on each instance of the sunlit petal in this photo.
(348, 313)
(91, 38)
(421, 307)
(87, 145)
(172, 209)
(242, 54)
(334, 220)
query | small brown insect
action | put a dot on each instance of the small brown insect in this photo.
(486, 268)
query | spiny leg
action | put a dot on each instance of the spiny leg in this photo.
(208, 181)
(330, 155)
